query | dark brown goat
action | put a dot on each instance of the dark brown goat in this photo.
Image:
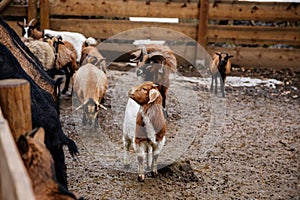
(155, 63)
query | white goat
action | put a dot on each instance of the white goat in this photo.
(77, 39)
(90, 85)
(150, 126)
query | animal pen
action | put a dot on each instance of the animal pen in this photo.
(253, 46)
(264, 43)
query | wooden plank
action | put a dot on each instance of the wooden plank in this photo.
(107, 28)
(32, 9)
(17, 11)
(121, 8)
(45, 22)
(3, 4)
(254, 34)
(243, 10)
(203, 23)
(262, 57)
(15, 182)
(16, 105)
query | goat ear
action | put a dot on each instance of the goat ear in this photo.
(217, 53)
(40, 135)
(22, 145)
(230, 56)
(153, 95)
(19, 24)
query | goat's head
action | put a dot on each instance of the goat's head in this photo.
(27, 29)
(149, 64)
(145, 93)
(91, 108)
(223, 59)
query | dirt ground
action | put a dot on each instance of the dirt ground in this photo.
(244, 146)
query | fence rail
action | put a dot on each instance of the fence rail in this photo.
(105, 18)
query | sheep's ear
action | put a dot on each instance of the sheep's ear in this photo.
(153, 95)
(22, 145)
(40, 135)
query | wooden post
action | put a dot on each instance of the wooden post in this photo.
(203, 23)
(32, 10)
(44, 12)
(15, 103)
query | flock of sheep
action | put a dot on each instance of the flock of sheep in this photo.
(145, 124)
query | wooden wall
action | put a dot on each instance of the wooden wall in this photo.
(105, 18)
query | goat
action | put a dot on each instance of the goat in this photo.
(65, 60)
(39, 164)
(76, 39)
(90, 85)
(220, 67)
(155, 63)
(91, 54)
(16, 61)
(150, 126)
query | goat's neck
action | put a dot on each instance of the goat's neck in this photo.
(37, 34)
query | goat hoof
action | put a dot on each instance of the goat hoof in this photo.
(154, 174)
(141, 178)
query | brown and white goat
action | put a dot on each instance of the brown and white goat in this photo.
(155, 63)
(40, 166)
(150, 126)
(90, 85)
(220, 67)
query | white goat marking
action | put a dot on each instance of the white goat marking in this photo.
(26, 32)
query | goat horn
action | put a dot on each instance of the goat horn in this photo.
(24, 21)
(144, 50)
(31, 21)
(79, 107)
(102, 106)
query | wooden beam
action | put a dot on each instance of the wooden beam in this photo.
(16, 105)
(3, 4)
(32, 10)
(121, 8)
(203, 23)
(244, 10)
(44, 14)
(17, 11)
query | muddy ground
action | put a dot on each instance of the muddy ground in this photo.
(244, 146)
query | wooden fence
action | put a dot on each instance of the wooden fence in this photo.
(198, 19)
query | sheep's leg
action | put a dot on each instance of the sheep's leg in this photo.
(141, 157)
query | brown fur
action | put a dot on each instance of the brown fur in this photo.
(40, 166)
(90, 54)
(152, 110)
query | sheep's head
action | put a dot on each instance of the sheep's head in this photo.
(145, 93)
(223, 59)
(27, 29)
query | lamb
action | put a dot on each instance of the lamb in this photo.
(91, 54)
(39, 164)
(76, 39)
(155, 63)
(150, 126)
(16, 61)
(220, 67)
(90, 85)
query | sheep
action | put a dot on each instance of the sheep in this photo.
(155, 63)
(91, 54)
(150, 126)
(220, 67)
(77, 39)
(90, 85)
(16, 61)
(42, 50)
(39, 164)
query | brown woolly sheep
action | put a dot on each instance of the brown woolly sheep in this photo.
(40, 166)
(90, 85)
